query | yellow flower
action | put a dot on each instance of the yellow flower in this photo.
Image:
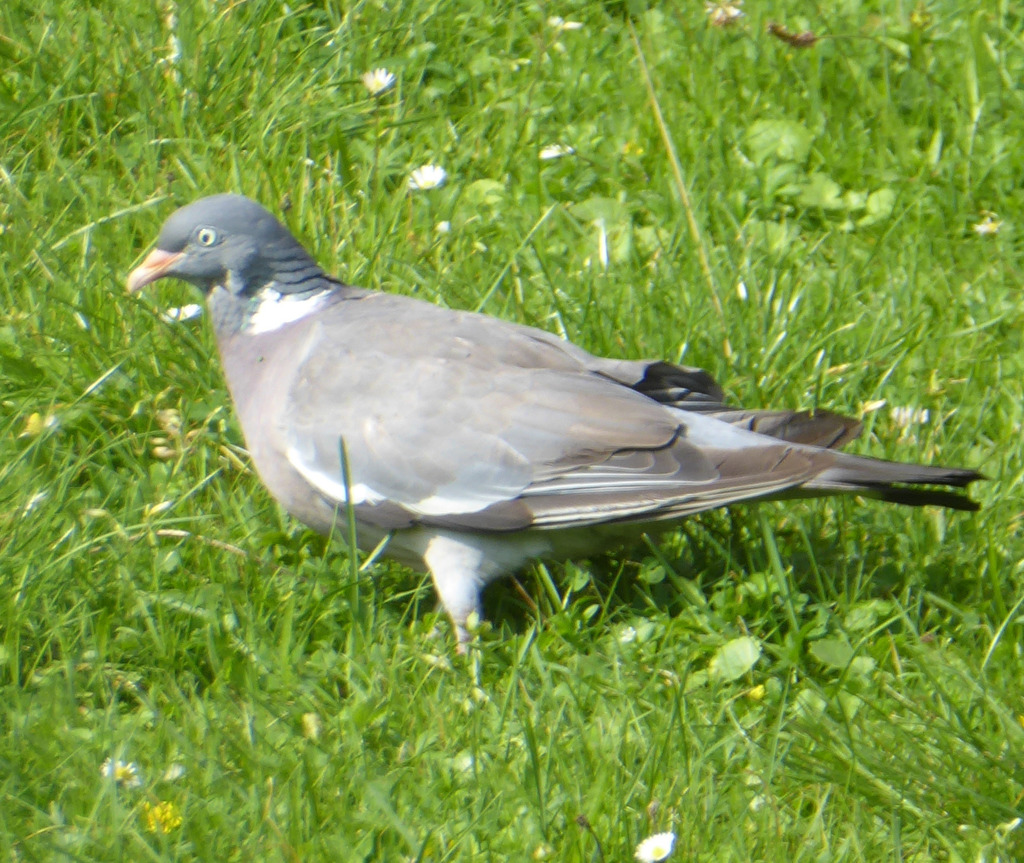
(36, 424)
(161, 817)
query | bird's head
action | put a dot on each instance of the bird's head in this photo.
(230, 242)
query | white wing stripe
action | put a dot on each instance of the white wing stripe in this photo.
(332, 487)
(442, 504)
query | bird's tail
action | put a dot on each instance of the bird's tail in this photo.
(895, 482)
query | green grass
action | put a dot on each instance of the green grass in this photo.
(156, 605)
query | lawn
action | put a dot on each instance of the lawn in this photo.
(824, 215)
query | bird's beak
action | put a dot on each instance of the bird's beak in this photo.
(156, 265)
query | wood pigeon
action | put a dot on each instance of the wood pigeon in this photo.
(475, 444)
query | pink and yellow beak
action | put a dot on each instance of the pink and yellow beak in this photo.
(156, 265)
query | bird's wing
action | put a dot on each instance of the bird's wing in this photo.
(465, 421)
(695, 390)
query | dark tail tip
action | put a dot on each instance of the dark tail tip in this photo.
(927, 497)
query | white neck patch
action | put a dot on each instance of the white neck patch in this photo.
(274, 310)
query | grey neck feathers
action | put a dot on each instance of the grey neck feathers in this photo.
(289, 269)
(228, 311)
(284, 267)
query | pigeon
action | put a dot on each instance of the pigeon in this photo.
(471, 445)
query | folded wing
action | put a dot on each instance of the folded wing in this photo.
(507, 430)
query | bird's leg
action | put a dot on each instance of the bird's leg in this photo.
(455, 567)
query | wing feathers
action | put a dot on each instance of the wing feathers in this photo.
(507, 427)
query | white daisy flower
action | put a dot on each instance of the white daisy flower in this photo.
(556, 151)
(444, 227)
(655, 848)
(724, 14)
(124, 773)
(378, 81)
(904, 417)
(558, 23)
(757, 803)
(184, 313)
(427, 177)
(174, 772)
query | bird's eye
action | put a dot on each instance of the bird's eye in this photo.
(206, 236)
